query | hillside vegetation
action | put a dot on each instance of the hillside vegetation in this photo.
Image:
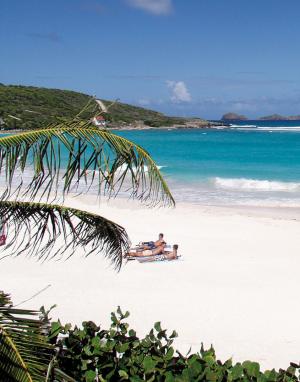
(36, 107)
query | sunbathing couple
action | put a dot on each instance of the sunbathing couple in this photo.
(156, 249)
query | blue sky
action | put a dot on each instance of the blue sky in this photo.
(182, 57)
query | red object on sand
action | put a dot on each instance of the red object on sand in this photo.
(2, 232)
(2, 239)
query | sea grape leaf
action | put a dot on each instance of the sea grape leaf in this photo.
(169, 377)
(149, 364)
(132, 333)
(196, 368)
(90, 376)
(291, 370)
(252, 368)
(237, 371)
(209, 359)
(270, 375)
(123, 348)
(157, 326)
(169, 354)
(87, 350)
(96, 342)
(211, 376)
(135, 378)
(55, 329)
(123, 374)
(114, 318)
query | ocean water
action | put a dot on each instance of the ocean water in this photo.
(253, 163)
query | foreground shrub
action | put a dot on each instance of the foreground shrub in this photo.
(92, 354)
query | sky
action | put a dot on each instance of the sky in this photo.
(199, 58)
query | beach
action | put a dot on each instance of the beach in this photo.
(236, 285)
(125, 122)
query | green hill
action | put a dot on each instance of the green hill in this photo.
(35, 107)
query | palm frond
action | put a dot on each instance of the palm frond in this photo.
(67, 155)
(24, 351)
(33, 229)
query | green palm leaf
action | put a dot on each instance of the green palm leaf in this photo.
(95, 156)
(33, 228)
(24, 351)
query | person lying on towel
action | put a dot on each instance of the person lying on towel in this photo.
(154, 253)
(153, 244)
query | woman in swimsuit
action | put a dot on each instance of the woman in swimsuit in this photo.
(148, 252)
(167, 255)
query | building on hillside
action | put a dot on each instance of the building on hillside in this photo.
(99, 121)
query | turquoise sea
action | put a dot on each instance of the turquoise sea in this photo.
(251, 163)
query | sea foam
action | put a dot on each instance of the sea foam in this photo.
(255, 185)
(279, 128)
(243, 126)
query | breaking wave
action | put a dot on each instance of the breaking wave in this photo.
(279, 128)
(255, 185)
(243, 126)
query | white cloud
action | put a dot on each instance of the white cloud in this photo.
(179, 91)
(144, 102)
(158, 7)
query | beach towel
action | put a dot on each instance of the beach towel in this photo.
(150, 259)
(140, 246)
(150, 244)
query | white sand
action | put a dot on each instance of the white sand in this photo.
(237, 285)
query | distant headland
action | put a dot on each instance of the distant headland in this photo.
(277, 117)
(273, 117)
(30, 107)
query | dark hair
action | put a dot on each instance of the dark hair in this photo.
(175, 246)
(161, 234)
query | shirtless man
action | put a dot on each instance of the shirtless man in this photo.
(148, 252)
(154, 244)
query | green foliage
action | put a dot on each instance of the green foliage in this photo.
(95, 156)
(40, 224)
(35, 349)
(25, 351)
(37, 107)
(24, 342)
(91, 353)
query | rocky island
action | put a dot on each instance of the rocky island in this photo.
(233, 117)
(273, 117)
(278, 117)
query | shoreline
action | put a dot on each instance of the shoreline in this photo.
(271, 212)
(238, 266)
(289, 213)
(210, 125)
